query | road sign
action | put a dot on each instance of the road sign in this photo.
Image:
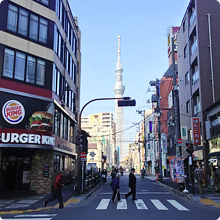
(179, 141)
(92, 154)
(83, 156)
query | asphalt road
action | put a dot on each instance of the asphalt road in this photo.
(154, 203)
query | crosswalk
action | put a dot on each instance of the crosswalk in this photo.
(140, 204)
(31, 217)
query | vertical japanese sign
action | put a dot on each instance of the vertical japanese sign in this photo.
(196, 131)
(150, 126)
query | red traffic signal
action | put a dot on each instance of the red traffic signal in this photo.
(189, 148)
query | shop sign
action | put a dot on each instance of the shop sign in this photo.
(13, 112)
(46, 171)
(214, 145)
(196, 131)
(26, 138)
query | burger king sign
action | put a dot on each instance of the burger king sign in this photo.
(13, 112)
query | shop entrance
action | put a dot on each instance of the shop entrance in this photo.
(16, 168)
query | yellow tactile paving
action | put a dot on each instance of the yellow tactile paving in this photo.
(70, 201)
(209, 202)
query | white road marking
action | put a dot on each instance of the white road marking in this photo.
(158, 204)
(37, 215)
(140, 193)
(140, 204)
(122, 204)
(177, 205)
(103, 204)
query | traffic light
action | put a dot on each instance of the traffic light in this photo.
(189, 148)
(130, 102)
(82, 142)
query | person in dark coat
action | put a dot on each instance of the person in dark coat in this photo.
(115, 188)
(132, 185)
(57, 193)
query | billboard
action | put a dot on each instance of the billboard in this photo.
(176, 169)
(25, 120)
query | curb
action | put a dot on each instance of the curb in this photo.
(93, 190)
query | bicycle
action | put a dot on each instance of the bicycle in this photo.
(74, 187)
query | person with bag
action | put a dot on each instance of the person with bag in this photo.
(132, 185)
(57, 191)
(115, 188)
(198, 174)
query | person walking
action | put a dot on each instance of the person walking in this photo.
(198, 174)
(57, 191)
(113, 174)
(132, 185)
(115, 188)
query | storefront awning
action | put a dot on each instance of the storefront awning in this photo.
(214, 154)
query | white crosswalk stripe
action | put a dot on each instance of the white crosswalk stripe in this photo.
(177, 205)
(140, 204)
(103, 204)
(159, 205)
(122, 204)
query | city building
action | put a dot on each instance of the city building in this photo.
(101, 143)
(199, 91)
(119, 89)
(40, 72)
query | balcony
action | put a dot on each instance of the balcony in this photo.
(195, 77)
(192, 18)
(194, 46)
(197, 109)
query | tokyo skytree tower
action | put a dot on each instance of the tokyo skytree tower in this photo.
(119, 89)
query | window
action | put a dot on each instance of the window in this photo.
(40, 78)
(8, 68)
(55, 42)
(185, 51)
(30, 73)
(23, 22)
(56, 163)
(65, 128)
(58, 83)
(187, 78)
(33, 34)
(54, 78)
(43, 30)
(12, 18)
(188, 107)
(184, 25)
(58, 7)
(20, 66)
(45, 2)
(57, 122)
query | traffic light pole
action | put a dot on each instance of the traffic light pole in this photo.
(125, 100)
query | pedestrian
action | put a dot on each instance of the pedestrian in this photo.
(115, 188)
(132, 185)
(57, 191)
(198, 174)
(113, 174)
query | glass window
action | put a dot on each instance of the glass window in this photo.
(61, 11)
(45, 2)
(65, 128)
(186, 78)
(40, 77)
(20, 66)
(8, 68)
(58, 83)
(43, 30)
(30, 72)
(12, 18)
(57, 7)
(57, 123)
(55, 42)
(33, 34)
(59, 46)
(67, 61)
(54, 78)
(71, 67)
(23, 22)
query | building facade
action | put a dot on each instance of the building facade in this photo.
(39, 89)
(101, 144)
(198, 67)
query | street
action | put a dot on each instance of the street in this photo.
(154, 202)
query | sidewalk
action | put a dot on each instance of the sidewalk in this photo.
(19, 203)
(209, 197)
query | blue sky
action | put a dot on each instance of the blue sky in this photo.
(143, 26)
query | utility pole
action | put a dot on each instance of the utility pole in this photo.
(142, 113)
(176, 105)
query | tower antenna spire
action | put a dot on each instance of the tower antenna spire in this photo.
(119, 48)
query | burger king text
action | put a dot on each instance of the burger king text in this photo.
(26, 138)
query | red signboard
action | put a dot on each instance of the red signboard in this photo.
(196, 131)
